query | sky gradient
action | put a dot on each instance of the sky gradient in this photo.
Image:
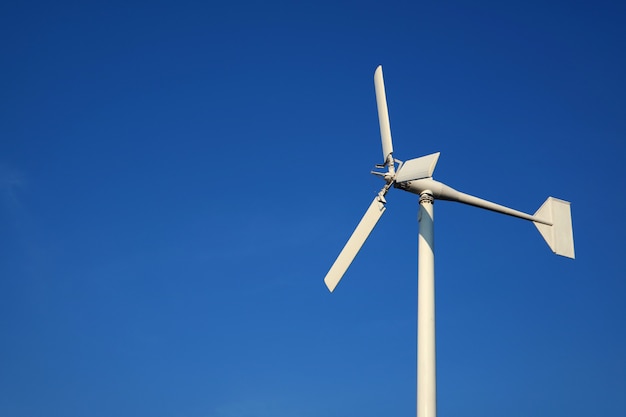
(176, 178)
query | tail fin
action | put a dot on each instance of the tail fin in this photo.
(559, 236)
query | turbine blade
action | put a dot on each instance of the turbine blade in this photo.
(356, 241)
(383, 113)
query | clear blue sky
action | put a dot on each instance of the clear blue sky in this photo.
(176, 178)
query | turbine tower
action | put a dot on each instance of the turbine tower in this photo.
(553, 220)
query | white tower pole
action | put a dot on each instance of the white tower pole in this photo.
(426, 372)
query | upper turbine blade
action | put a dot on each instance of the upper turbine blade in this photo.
(356, 241)
(383, 114)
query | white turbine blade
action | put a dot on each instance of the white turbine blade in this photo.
(383, 113)
(358, 238)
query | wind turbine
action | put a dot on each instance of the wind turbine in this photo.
(553, 220)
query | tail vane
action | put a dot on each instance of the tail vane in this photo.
(559, 236)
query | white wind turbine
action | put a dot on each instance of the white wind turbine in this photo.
(553, 219)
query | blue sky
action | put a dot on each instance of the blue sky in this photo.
(176, 178)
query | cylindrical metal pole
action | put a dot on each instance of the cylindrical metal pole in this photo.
(426, 375)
